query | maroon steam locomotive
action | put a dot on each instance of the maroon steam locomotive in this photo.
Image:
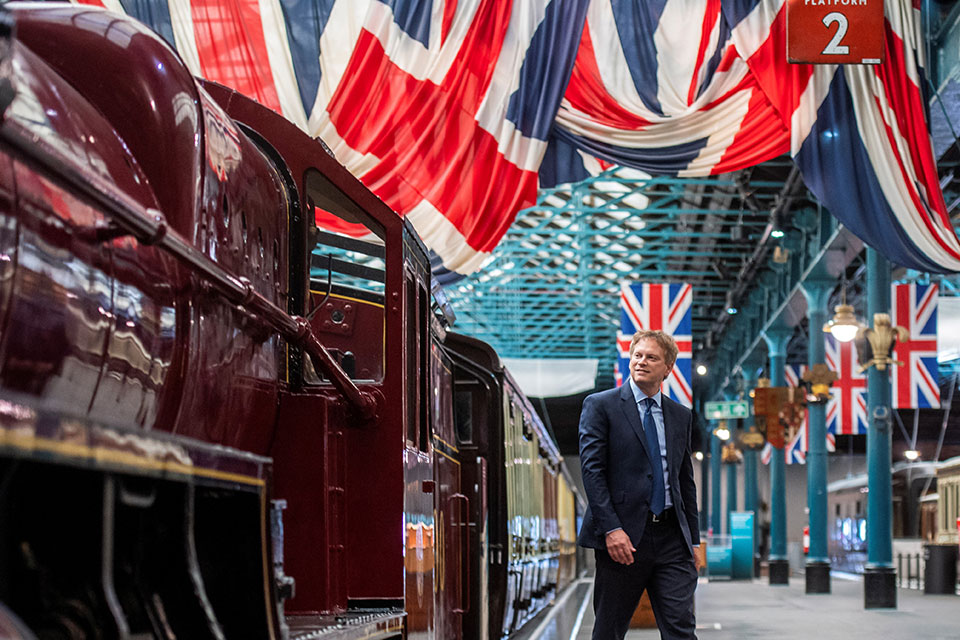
(218, 420)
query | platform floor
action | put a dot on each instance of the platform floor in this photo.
(739, 610)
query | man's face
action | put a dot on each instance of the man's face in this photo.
(648, 367)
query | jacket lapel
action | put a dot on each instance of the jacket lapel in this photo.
(629, 406)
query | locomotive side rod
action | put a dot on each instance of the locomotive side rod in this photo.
(150, 227)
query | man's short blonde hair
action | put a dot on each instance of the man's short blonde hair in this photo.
(665, 340)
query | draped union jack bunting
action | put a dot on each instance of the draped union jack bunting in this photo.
(445, 108)
(645, 93)
(666, 307)
(916, 384)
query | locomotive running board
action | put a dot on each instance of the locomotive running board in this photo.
(356, 624)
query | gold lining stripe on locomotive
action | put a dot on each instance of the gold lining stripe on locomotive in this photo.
(446, 455)
(343, 297)
(23, 442)
(445, 444)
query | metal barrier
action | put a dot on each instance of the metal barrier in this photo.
(913, 579)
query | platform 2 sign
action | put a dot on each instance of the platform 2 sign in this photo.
(835, 31)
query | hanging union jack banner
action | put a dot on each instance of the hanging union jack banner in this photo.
(847, 407)
(916, 385)
(665, 307)
(452, 110)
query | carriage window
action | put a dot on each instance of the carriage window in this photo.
(347, 276)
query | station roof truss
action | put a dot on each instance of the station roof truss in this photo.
(551, 288)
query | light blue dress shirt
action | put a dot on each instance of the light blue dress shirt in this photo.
(640, 396)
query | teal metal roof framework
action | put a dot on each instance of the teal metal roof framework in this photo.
(551, 288)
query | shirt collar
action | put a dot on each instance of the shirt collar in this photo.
(639, 396)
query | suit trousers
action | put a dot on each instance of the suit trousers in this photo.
(665, 568)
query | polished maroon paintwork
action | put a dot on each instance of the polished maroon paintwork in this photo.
(176, 150)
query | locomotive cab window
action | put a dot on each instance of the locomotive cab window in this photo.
(345, 251)
(416, 350)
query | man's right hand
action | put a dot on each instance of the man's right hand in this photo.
(619, 547)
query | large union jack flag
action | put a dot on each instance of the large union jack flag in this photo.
(665, 307)
(916, 384)
(847, 407)
(452, 110)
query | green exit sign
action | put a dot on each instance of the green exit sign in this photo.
(727, 409)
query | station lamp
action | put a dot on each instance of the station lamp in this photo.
(701, 369)
(722, 432)
(698, 455)
(911, 454)
(844, 325)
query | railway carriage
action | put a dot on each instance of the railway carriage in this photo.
(947, 512)
(847, 512)
(529, 533)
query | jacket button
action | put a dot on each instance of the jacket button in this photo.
(649, 475)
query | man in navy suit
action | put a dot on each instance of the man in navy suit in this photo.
(642, 515)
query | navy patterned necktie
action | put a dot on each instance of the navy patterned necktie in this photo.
(658, 500)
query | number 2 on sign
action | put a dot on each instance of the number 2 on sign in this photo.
(834, 47)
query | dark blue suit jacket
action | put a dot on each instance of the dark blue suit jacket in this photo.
(617, 472)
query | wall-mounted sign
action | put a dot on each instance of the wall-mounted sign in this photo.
(727, 409)
(835, 31)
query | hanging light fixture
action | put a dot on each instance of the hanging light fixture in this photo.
(722, 432)
(844, 325)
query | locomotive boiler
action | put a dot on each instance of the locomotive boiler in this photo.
(218, 419)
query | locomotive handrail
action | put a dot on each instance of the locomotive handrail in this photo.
(150, 227)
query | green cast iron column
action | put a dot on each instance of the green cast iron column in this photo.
(731, 476)
(879, 579)
(817, 570)
(777, 338)
(750, 458)
(715, 507)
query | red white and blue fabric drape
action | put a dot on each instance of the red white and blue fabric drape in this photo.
(445, 108)
(698, 88)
